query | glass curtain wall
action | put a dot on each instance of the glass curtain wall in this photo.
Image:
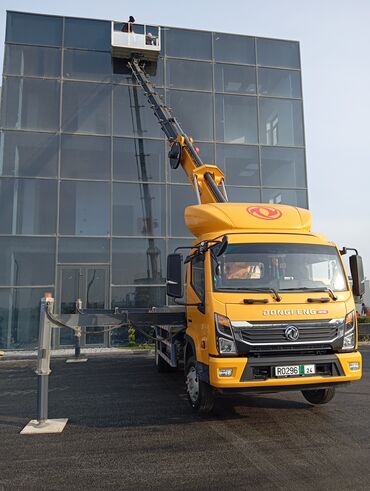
(86, 190)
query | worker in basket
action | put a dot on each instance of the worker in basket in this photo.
(129, 25)
(150, 39)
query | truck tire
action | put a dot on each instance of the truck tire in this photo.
(319, 396)
(201, 395)
(161, 364)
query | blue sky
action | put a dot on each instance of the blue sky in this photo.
(334, 36)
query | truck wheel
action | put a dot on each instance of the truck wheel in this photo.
(200, 394)
(319, 396)
(161, 364)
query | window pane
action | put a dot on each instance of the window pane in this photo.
(243, 195)
(139, 297)
(138, 261)
(87, 65)
(139, 209)
(34, 29)
(281, 122)
(123, 74)
(179, 198)
(283, 167)
(71, 284)
(70, 288)
(96, 298)
(30, 104)
(234, 78)
(195, 112)
(174, 243)
(32, 61)
(136, 159)
(85, 157)
(184, 43)
(282, 83)
(5, 328)
(83, 250)
(28, 206)
(272, 52)
(84, 208)
(27, 261)
(25, 317)
(87, 34)
(132, 114)
(286, 196)
(87, 108)
(29, 154)
(236, 49)
(239, 163)
(207, 154)
(236, 119)
(184, 74)
(197, 276)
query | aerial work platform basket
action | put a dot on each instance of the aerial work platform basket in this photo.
(135, 40)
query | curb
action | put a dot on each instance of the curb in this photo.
(32, 355)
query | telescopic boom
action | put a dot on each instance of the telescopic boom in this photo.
(206, 179)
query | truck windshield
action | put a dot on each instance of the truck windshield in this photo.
(282, 267)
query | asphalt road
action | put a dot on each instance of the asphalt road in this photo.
(132, 428)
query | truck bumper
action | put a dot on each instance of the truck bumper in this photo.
(340, 368)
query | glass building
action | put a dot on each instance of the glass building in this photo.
(89, 206)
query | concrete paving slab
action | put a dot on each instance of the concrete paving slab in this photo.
(76, 360)
(48, 426)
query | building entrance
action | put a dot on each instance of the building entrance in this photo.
(90, 283)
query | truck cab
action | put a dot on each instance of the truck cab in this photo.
(269, 306)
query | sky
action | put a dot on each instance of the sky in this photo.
(334, 38)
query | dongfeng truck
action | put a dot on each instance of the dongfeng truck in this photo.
(266, 304)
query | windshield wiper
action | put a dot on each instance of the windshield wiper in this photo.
(307, 289)
(275, 293)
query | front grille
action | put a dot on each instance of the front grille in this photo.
(259, 334)
(288, 349)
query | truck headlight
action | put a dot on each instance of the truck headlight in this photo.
(349, 339)
(223, 325)
(224, 333)
(226, 346)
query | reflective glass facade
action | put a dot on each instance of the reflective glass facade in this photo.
(89, 205)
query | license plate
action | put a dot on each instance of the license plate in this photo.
(295, 370)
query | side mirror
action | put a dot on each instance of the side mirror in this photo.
(175, 155)
(358, 278)
(174, 276)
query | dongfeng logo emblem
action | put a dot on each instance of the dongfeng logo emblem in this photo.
(291, 333)
(264, 212)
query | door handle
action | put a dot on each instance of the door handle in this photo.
(190, 320)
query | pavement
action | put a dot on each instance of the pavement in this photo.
(132, 428)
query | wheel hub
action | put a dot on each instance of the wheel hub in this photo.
(192, 384)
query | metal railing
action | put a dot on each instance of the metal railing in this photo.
(140, 37)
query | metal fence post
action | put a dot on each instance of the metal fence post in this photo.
(42, 424)
(78, 331)
(43, 359)
(77, 337)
